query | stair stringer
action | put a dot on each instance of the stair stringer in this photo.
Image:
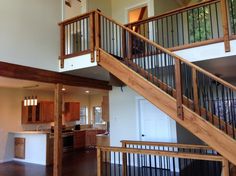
(201, 128)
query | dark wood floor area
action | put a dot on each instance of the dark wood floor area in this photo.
(77, 163)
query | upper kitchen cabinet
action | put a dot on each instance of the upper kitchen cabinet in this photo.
(42, 113)
(72, 111)
(105, 108)
(47, 111)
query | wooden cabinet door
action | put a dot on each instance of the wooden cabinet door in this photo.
(79, 139)
(105, 108)
(28, 114)
(91, 138)
(46, 111)
(72, 111)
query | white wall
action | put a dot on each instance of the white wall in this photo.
(211, 51)
(77, 8)
(124, 123)
(103, 5)
(161, 6)
(120, 8)
(29, 32)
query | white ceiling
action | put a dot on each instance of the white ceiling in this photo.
(34, 85)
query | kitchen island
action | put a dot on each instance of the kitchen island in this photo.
(36, 147)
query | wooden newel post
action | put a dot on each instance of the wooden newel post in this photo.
(124, 161)
(178, 82)
(225, 25)
(62, 45)
(91, 40)
(57, 152)
(225, 167)
(99, 162)
(195, 91)
(98, 35)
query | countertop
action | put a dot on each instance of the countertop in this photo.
(30, 132)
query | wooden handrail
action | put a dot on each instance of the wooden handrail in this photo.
(76, 18)
(206, 157)
(172, 54)
(173, 12)
(166, 144)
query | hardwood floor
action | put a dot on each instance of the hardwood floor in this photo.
(77, 163)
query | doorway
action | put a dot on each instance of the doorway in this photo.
(154, 125)
(136, 14)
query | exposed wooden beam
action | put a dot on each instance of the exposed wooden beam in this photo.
(57, 152)
(35, 74)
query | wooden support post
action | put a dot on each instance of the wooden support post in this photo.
(91, 41)
(225, 25)
(57, 156)
(195, 91)
(97, 33)
(99, 162)
(225, 167)
(178, 82)
(62, 45)
(130, 47)
(124, 161)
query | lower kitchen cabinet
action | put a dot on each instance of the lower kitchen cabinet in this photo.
(79, 139)
(91, 137)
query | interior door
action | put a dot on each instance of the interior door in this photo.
(154, 124)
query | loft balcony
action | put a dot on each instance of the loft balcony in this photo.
(199, 32)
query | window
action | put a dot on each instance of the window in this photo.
(97, 112)
(83, 115)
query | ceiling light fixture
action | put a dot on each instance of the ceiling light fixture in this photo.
(31, 101)
(87, 91)
(63, 89)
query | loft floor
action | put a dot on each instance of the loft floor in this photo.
(77, 163)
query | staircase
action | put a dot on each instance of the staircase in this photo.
(196, 99)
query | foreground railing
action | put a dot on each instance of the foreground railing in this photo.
(199, 24)
(165, 159)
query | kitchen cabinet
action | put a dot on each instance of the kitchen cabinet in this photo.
(105, 108)
(79, 139)
(72, 111)
(46, 111)
(91, 137)
(42, 113)
(20, 148)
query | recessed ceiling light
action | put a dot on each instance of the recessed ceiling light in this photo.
(63, 89)
(87, 91)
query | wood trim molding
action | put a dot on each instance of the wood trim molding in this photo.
(35, 74)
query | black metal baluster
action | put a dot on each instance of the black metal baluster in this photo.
(182, 21)
(217, 20)
(177, 27)
(210, 16)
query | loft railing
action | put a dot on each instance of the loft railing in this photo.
(232, 16)
(77, 36)
(195, 25)
(159, 159)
